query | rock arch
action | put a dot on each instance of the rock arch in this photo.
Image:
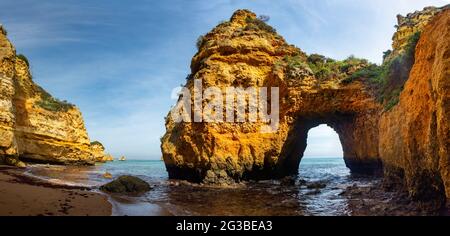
(218, 152)
(344, 125)
(409, 143)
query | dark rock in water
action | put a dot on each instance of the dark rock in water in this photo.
(316, 185)
(288, 181)
(302, 182)
(126, 184)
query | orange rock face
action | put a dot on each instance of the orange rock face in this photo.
(239, 54)
(409, 142)
(33, 125)
(415, 135)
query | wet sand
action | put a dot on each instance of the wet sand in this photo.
(21, 195)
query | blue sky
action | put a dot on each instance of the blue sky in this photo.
(119, 60)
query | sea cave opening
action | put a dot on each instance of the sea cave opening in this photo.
(323, 156)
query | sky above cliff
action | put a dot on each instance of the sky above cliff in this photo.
(118, 61)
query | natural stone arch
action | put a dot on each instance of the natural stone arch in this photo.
(408, 139)
(343, 124)
(233, 56)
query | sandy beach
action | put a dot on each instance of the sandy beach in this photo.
(21, 195)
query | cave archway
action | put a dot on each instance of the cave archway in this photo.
(323, 142)
(323, 156)
(344, 125)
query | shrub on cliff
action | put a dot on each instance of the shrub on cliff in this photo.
(389, 78)
(97, 143)
(23, 58)
(326, 68)
(386, 54)
(372, 71)
(200, 41)
(3, 30)
(322, 71)
(396, 73)
(258, 24)
(321, 67)
(50, 103)
(295, 66)
(264, 18)
(316, 58)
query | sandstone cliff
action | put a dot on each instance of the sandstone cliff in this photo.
(379, 123)
(98, 150)
(411, 24)
(246, 52)
(34, 126)
(415, 134)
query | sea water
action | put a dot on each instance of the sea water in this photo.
(270, 197)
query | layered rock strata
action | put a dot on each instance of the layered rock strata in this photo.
(408, 142)
(34, 126)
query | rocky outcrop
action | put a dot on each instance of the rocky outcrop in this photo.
(246, 52)
(34, 126)
(98, 150)
(415, 134)
(126, 184)
(409, 139)
(411, 24)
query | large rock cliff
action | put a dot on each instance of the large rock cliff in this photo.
(379, 123)
(415, 134)
(411, 24)
(34, 126)
(246, 52)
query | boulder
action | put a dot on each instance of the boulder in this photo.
(126, 184)
(107, 175)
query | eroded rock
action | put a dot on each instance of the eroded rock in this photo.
(410, 140)
(126, 184)
(34, 126)
(98, 150)
(242, 53)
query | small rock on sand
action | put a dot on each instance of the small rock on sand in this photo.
(126, 184)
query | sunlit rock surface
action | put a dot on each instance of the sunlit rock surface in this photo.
(33, 125)
(410, 139)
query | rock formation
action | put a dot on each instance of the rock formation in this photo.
(415, 134)
(412, 23)
(34, 126)
(126, 184)
(409, 139)
(98, 150)
(245, 52)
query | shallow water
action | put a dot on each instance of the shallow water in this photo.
(269, 197)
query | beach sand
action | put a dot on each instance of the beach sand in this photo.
(21, 195)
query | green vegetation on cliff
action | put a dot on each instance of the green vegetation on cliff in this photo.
(389, 78)
(199, 42)
(3, 30)
(259, 24)
(50, 103)
(24, 58)
(97, 143)
(321, 67)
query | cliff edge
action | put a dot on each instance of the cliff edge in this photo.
(34, 126)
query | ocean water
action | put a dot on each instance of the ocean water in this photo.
(169, 197)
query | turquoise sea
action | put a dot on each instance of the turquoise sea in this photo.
(169, 197)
